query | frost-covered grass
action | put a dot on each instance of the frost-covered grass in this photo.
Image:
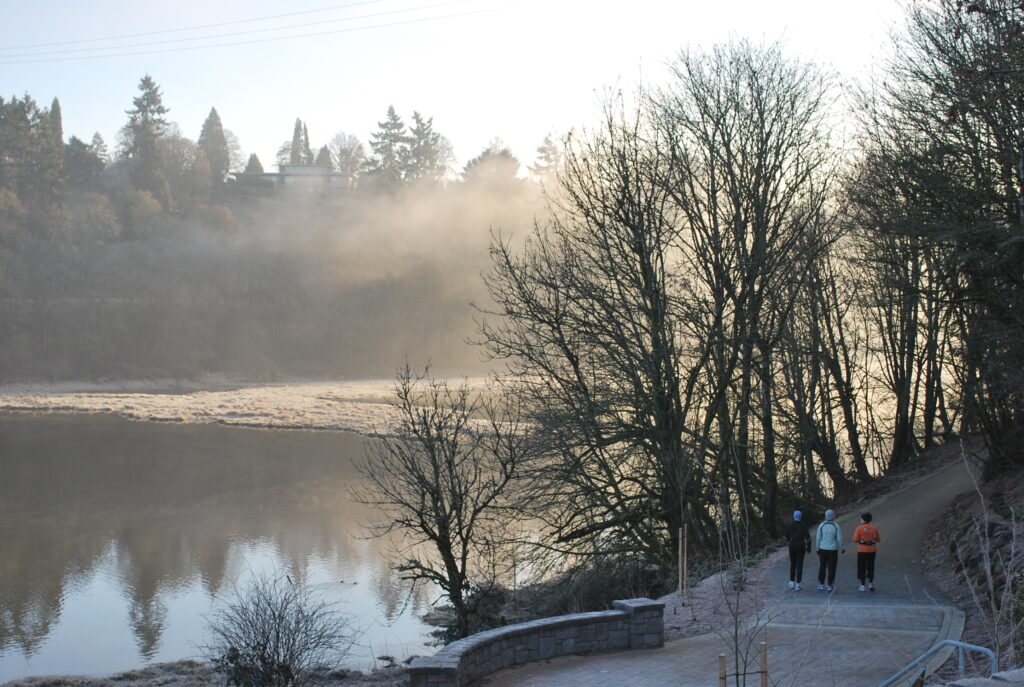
(190, 673)
(359, 406)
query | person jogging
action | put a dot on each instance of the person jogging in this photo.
(829, 542)
(867, 538)
(799, 537)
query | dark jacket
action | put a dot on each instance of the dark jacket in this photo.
(798, 535)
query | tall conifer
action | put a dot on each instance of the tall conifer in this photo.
(146, 125)
(307, 152)
(390, 149)
(99, 148)
(57, 128)
(429, 153)
(548, 157)
(295, 151)
(253, 166)
(214, 144)
(323, 158)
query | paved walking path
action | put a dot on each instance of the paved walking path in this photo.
(815, 639)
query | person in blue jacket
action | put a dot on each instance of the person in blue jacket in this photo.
(829, 542)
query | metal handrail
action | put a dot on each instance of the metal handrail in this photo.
(934, 650)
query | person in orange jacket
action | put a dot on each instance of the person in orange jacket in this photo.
(867, 538)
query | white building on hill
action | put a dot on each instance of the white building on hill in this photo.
(309, 178)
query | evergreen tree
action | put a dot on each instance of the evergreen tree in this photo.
(323, 158)
(495, 165)
(253, 166)
(390, 145)
(429, 153)
(186, 169)
(99, 148)
(15, 142)
(307, 153)
(146, 125)
(30, 165)
(57, 128)
(214, 144)
(82, 166)
(549, 154)
(295, 149)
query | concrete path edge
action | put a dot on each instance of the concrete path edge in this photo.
(952, 628)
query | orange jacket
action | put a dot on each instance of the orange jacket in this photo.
(864, 533)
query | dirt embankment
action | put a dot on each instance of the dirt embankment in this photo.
(974, 552)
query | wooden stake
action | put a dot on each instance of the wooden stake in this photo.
(686, 565)
(721, 670)
(764, 664)
(681, 577)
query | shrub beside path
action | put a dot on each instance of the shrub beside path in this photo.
(814, 638)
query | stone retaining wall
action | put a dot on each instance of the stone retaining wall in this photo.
(633, 624)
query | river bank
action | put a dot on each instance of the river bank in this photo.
(359, 406)
(190, 673)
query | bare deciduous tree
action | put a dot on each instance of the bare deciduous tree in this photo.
(643, 317)
(440, 477)
(943, 181)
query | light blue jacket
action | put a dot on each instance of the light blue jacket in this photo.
(829, 537)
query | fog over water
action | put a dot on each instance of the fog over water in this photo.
(118, 535)
(294, 285)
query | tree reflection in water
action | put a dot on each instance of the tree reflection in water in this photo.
(164, 518)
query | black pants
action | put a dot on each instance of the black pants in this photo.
(866, 566)
(796, 563)
(827, 563)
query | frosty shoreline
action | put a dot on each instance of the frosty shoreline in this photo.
(356, 406)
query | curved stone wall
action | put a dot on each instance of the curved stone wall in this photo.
(632, 624)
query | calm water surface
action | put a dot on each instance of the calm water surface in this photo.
(116, 537)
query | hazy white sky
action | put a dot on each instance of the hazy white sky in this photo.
(514, 69)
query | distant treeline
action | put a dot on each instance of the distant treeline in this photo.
(151, 261)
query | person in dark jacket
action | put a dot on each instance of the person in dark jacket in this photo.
(799, 538)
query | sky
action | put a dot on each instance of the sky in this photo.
(516, 70)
